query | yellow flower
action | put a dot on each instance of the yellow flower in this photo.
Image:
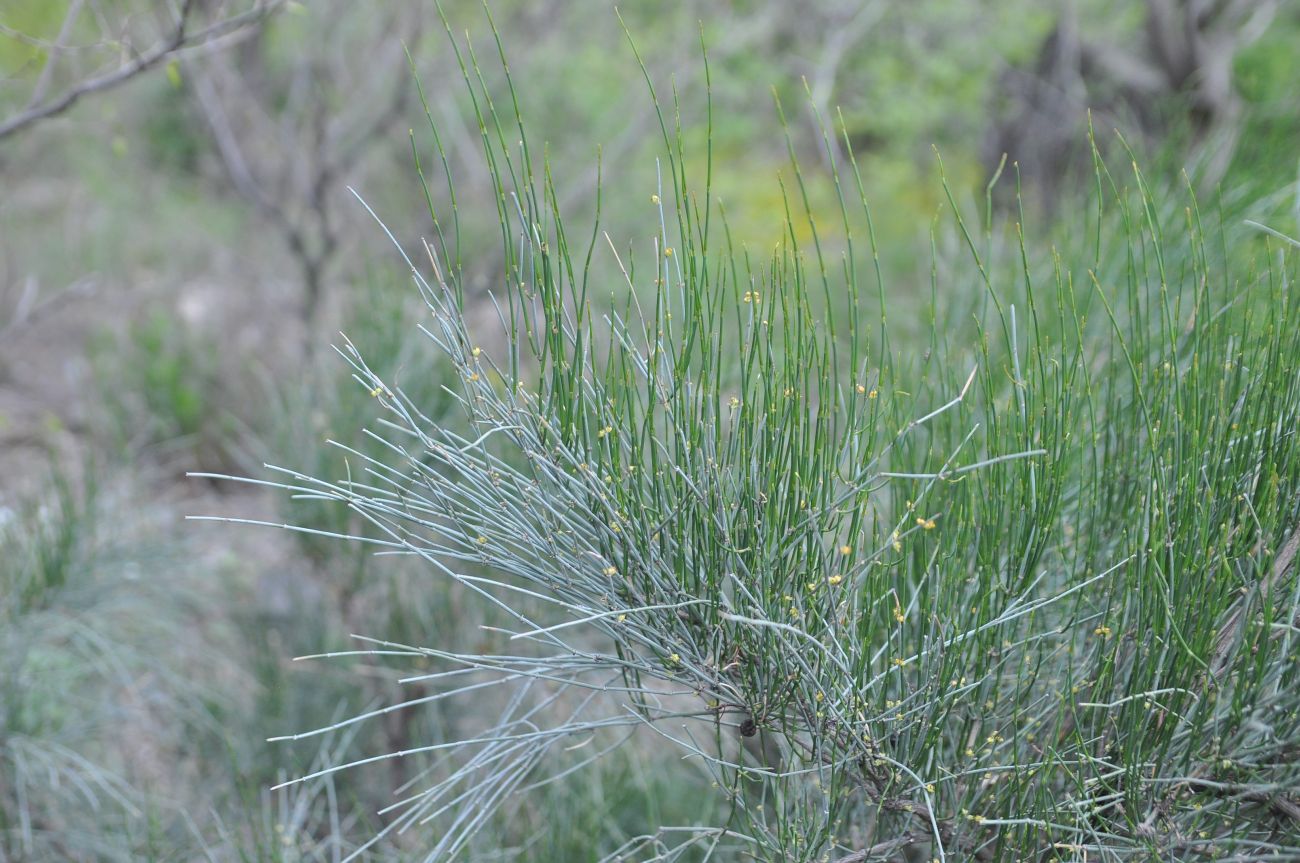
(752, 297)
(654, 199)
(846, 549)
(861, 389)
(1103, 631)
(834, 579)
(611, 570)
(926, 523)
(476, 351)
(872, 394)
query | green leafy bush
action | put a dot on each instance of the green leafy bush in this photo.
(1024, 585)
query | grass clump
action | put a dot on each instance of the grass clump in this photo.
(1025, 584)
(81, 679)
(161, 389)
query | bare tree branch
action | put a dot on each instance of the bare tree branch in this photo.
(178, 39)
(52, 54)
(284, 145)
(1177, 75)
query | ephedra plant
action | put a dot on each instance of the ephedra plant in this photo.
(1021, 586)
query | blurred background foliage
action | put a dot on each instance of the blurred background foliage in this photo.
(179, 248)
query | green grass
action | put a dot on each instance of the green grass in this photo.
(82, 636)
(1023, 586)
(161, 388)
